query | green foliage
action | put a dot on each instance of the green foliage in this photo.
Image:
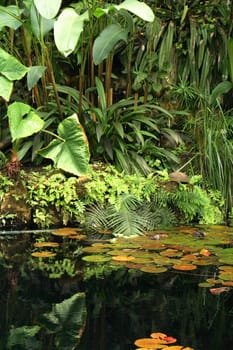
(23, 336)
(50, 191)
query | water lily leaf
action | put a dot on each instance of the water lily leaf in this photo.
(141, 260)
(78, 237)
(205, 284)
(123, 258)
(66, 231)
(149, 343)
(44, 254)
(184, 267)
(153, 269)
(70, 151)
(226, 268)
(95, 249)
(226, 276)
(171, 253)
(45, 244)
(175, 347)
(96, 258)
(227, 283)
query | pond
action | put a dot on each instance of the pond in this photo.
(90, 292)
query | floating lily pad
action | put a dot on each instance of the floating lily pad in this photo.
(205, 284)
(226, 268)
(44, 254)
(96, 258)
(150, 343)
(123, 258)
(46, 244)
(162, 260)
(66, 231)
(141, 260)
(226, 276)
(184, 267)
(78, 237)
(153, 269)
(153, 246)
(94, 250)
(171, 253)
(189, 257)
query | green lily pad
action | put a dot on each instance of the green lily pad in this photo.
(153, 269)
(96, 258)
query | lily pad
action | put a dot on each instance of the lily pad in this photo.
(184, 267)
(46, 244)
(96, 258)
(153, 269)
(123, 258)
(44, 254)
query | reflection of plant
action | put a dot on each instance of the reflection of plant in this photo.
(65, 322)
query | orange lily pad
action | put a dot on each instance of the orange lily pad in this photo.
(184, 267)
(149, 343)
(80, 237)
(44, 254)
(123, 258)
(158, 335)
(66, 231)
(45, 244)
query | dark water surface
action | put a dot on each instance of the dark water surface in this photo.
(122, 307)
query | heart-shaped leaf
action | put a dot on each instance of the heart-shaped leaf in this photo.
(23, 120)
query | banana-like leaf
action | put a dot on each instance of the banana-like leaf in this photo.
(70, 150)
(9, 17)
(66, 321)
(33, 75)
(222, 88)
(166, 46)
(230, 56)
(6, 88)
(40, 25)
(10, 67)
(107, 40)
(48, 9)
(23, 121)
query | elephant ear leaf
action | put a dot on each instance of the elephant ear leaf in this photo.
(69, 151)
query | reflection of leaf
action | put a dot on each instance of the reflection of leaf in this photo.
(66, 321)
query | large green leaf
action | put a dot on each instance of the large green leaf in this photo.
(6, 87)
(70, 151)
(9, 17)
(67, 30)
(48, 9)
(106, 41)
(23, 120)
(66, 321)
(138, 8)
(222, 88)
(34, 74)
(10, 67)
(40, 25)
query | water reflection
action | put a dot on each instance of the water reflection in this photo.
(129, 305)
(122, 306)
